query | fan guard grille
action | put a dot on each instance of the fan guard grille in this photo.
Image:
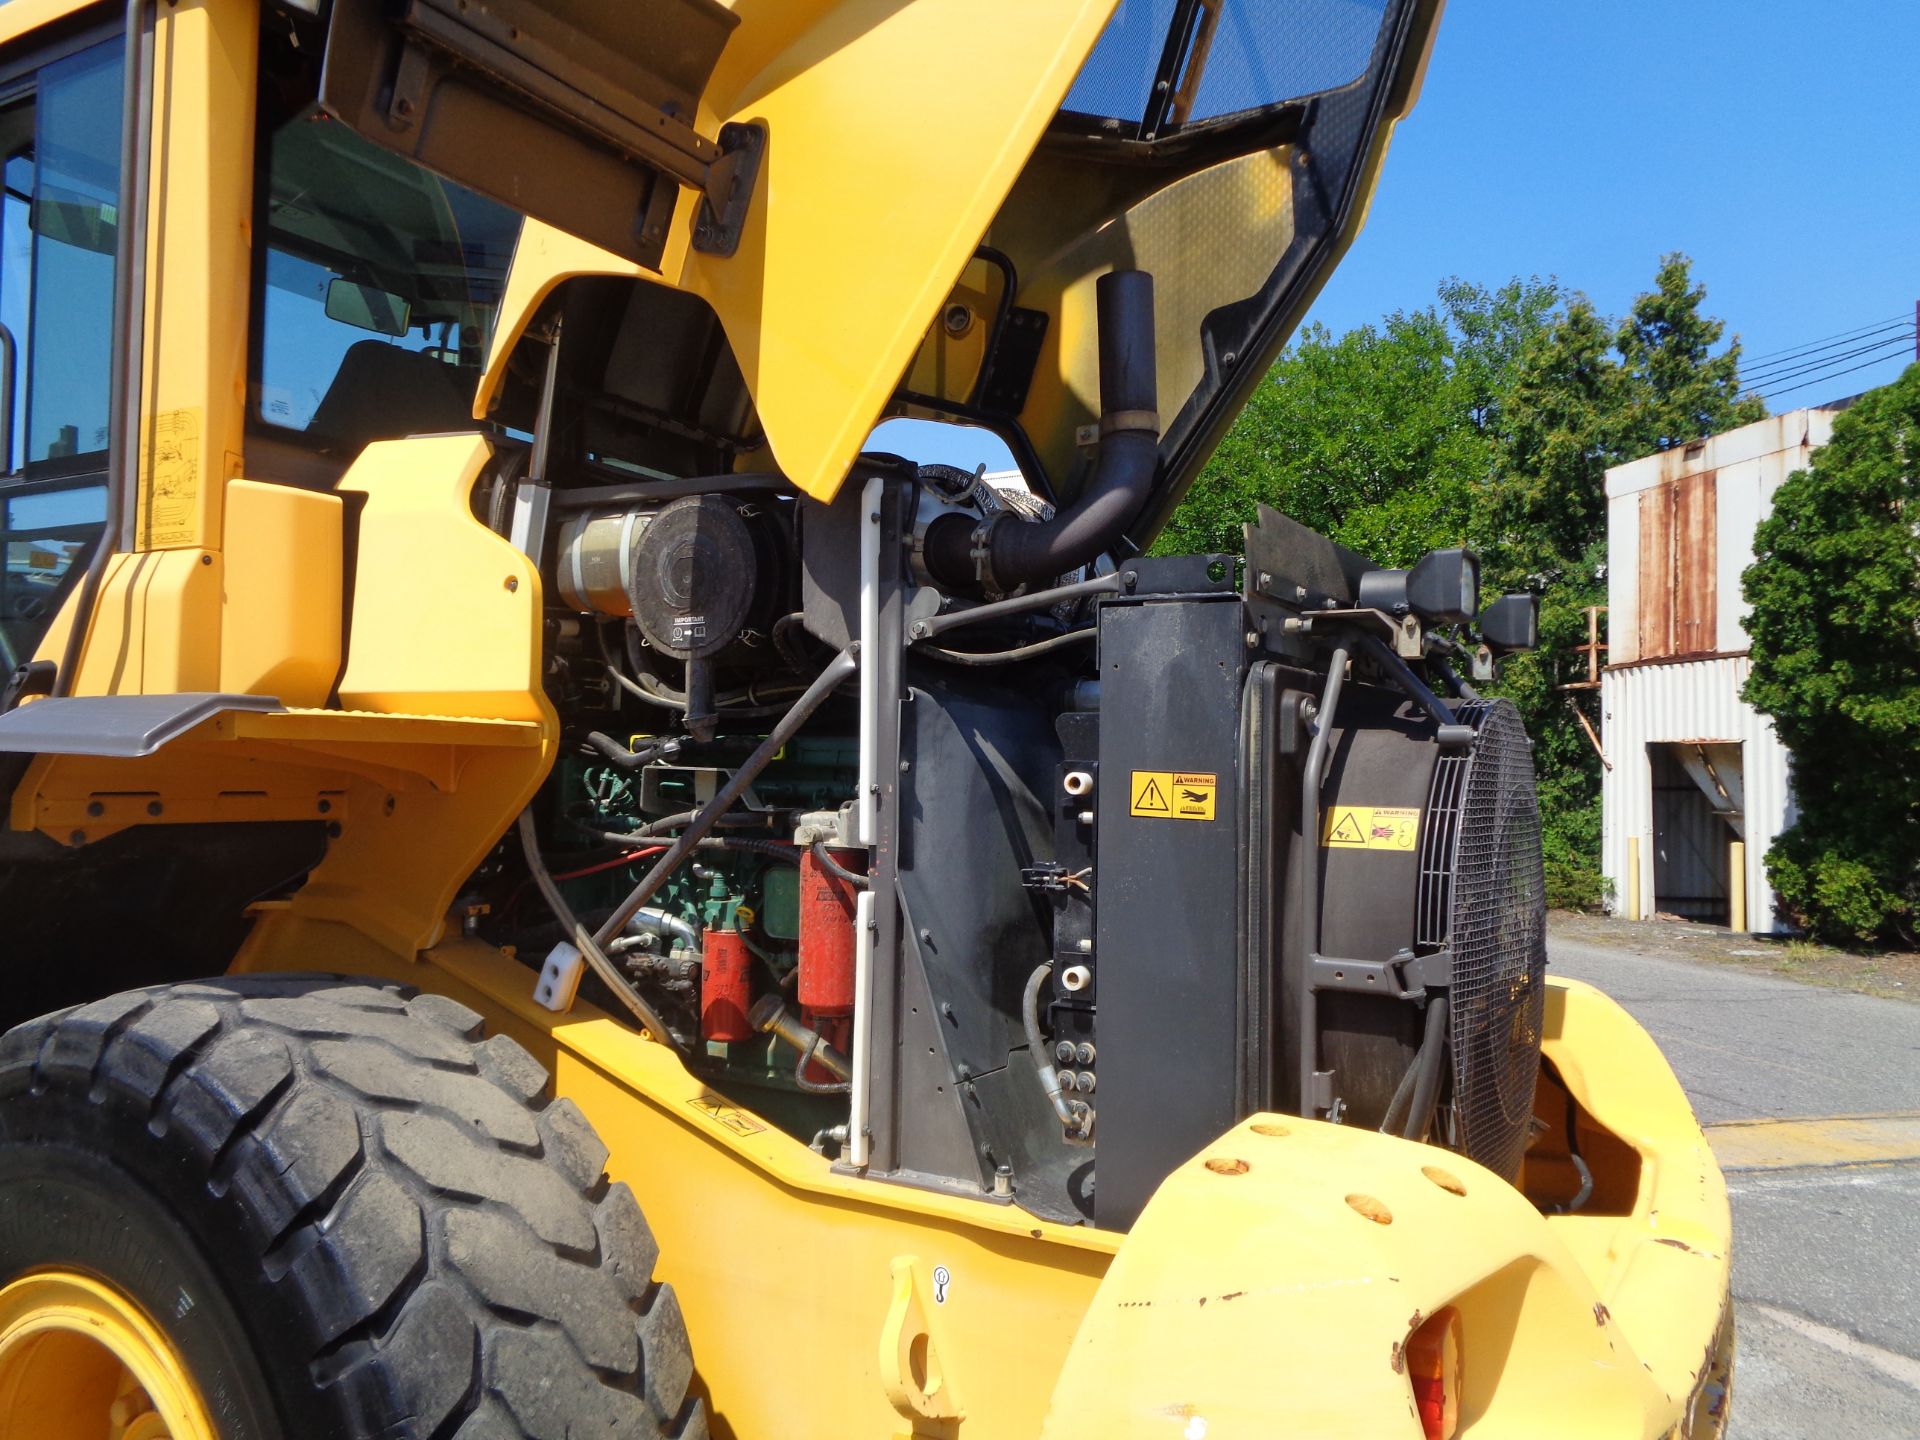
(1483, 895)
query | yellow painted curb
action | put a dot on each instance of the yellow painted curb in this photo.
(1812, 1141)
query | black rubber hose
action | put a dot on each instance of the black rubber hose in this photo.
(1396, 1116)
(1006, 657)
(1402, 674)
(590, 950)
(670, 827)
(1452, 677)
(1437, 648)
(829, 679)
(1037, 1049)
(1024, 552)
(778, 851)
(1426, 1089)
(620, 756)
(824, 859)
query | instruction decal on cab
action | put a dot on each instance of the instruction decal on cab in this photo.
(1371, 827)
(1172, 795)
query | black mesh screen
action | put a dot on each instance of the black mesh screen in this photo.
(1118, 76)
(1257, 53)
(1264, 53)
(1481, 870)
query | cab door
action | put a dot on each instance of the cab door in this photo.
(60, 166)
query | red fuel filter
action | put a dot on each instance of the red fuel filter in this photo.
(826, 936)
(726, 986)
(825, 989)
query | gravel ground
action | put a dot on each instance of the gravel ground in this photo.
(1891, 975)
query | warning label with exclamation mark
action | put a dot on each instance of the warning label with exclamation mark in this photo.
(1172, 795)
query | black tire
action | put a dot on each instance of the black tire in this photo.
(351, 1214)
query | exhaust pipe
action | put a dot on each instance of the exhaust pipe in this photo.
(1006, 552)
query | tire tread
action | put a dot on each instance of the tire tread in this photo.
(443, 1226)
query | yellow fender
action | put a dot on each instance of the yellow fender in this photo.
(1273, 1281)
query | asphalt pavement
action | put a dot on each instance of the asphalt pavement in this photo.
(1826, 1257)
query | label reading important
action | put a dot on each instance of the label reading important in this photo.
(1172, 795)
(1371, 827)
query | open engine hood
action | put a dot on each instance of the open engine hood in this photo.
(835, 178)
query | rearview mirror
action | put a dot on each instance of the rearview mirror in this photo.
(365, 308)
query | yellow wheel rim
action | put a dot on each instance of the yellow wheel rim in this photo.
(80, 1361)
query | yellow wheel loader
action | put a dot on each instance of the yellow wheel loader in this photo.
(566, 891)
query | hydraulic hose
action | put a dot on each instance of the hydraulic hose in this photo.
(1437, 648)
(824, 859)
(664, 926)
(665, 828)
(584, 942)
(829, 680)
(1415, 688)
(1452, 677)
(1396, 1117)
(1008, 657)
(1049, 1077)
(618, 755)
(1007, 552)
(1426, 1088)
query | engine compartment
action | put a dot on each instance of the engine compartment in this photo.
(954, 837)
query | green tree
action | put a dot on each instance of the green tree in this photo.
(1380, 438)
(1835, 631)
(1490, 420)
(1585, 395)
(1680, 390)
(1542, 529)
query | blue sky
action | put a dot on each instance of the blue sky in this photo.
(1776, 143)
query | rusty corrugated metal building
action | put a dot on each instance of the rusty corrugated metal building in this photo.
(1698, 783)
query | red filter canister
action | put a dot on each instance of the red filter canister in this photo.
(726, 986)
(826, 935)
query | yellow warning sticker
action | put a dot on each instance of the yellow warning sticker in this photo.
(725, 1114)
(1371, 827)
(1172, 795)
(170, 480)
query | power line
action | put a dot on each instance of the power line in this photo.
(1821, 380)
(1802, 357)
(1821, 377)
(1844, 334)
(1795, 371)
(1834, 375)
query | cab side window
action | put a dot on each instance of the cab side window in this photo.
(59, 219)
(375, 295)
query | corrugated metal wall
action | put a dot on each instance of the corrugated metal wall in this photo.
(1694, 699)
